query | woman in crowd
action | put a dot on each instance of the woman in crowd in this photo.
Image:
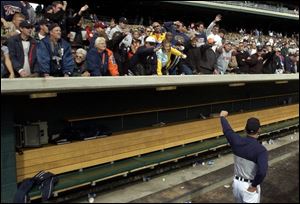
(80, 63)
(101, 61)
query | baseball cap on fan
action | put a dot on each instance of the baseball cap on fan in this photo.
(150, 39)
(123, 20)
(26, 24)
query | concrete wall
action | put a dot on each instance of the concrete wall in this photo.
(32, 85)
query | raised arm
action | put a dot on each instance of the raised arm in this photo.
(230, 135)
(212, 24)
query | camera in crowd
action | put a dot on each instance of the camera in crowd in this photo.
(57, 59)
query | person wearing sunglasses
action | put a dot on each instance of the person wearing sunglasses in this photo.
(148, 31)
(80, 63)
(157, 34)
(23, 52)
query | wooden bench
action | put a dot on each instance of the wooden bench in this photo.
(69, 157)
(92, 175)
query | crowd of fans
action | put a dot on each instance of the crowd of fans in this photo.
(54, 43)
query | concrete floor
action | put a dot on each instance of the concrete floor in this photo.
(137, 192)
(280, 186)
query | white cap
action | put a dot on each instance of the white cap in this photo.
(150, 39)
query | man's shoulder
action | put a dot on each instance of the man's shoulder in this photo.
(65, 43)
(45, 39)
(262, 149)
(92, 51)
(116, 28)
(14, 38)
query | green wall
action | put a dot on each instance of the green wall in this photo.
(8, 158)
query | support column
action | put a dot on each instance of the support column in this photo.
(8, 154)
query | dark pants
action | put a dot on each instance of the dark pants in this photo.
(142, 70)
(184, 69)
(205, 71)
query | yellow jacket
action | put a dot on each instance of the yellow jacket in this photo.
(164, 59)
(159, 37)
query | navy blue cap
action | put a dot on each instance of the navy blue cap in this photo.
(123, 20)
(252, 125)
(25, 24)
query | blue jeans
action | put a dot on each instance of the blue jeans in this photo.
(183, 68)
(3, 70)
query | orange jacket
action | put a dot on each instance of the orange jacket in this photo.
(112, 65)
(102, 63)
